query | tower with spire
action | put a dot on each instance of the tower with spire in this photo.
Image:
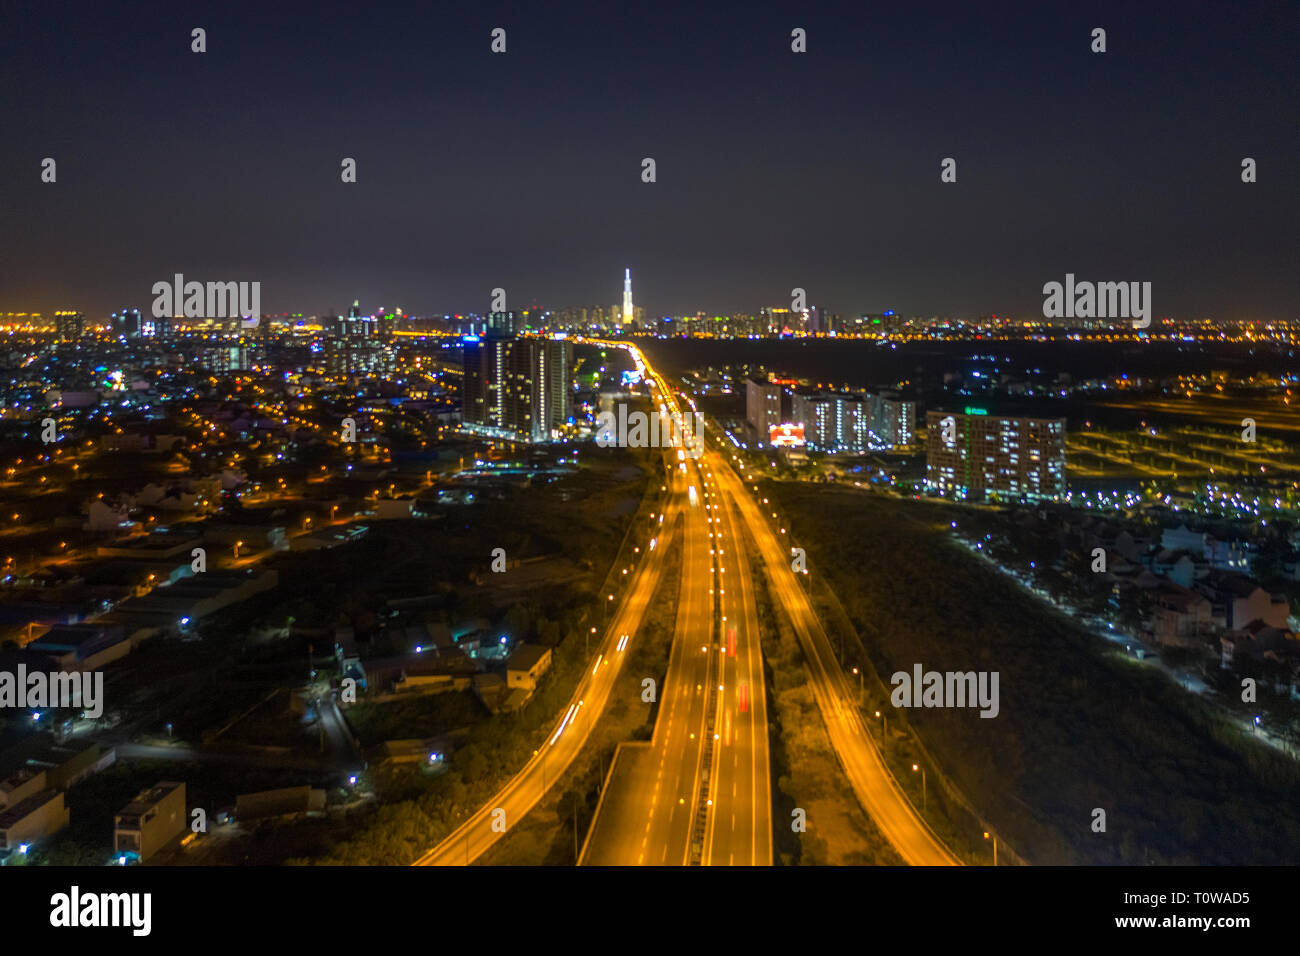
(627, 297)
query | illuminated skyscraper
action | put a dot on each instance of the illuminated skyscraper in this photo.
(628, 313)
(127, 324)
(71, 325)
(978, 455)
(762, 406)
(517, 388)
(833, 421)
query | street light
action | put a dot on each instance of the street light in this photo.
(923, 797)
(995, 847)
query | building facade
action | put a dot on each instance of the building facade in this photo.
(36, 818)
(520, 389)
(833, 422)
(971, 456)
(762, 406)
(70, 325)
(892, 421)
(152, 821)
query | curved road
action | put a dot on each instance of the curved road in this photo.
(874, 785)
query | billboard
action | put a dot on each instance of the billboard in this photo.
(789, 435)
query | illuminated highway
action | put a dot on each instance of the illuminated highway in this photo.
(700, 792)
(647, 816)
(740, 818)
(566, 739)
(572, 729)
(871, 780)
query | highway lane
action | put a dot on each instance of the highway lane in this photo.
(710, 738)
(567, 737)
(700, 792)
(646, 819)
(677, 744)
(876, 789)
(740, 819)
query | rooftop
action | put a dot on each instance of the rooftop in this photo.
(16, 813)
(527, 656)
(147, 799)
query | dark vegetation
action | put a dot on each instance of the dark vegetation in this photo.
(1079, 728)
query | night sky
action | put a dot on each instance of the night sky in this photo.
(775, 169)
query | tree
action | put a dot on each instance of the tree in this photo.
(472, 763)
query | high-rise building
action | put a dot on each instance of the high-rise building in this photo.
(833, 421)
(357, 358)
(493, 397)
(973, 455)
(775, 321)
(893, 421)
(762, 406)
(628, 314)
(355, 325)
(504, 325)
(71, 325)
(852, 422)
(886, 322)
(517, 388)
(223, 354)
(127, 324)
(554, 384)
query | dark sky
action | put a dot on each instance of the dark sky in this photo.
(775, 170)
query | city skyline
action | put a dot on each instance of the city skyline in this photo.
(625, 314)
(932, 501)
